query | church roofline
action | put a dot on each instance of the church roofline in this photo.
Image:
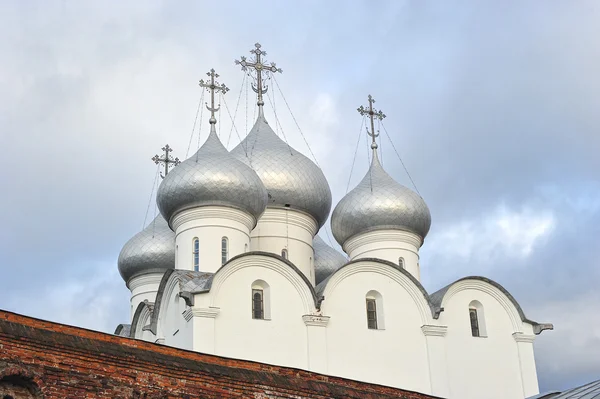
(438, 297)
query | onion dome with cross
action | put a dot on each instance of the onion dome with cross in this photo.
(292, 180)
(212, 176)
(379, 202)
(152, 250)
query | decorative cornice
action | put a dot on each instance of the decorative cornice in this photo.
(206, 312)
(213, 212)
(434, 331)
(520, 337)
(291, 217)
(377, 236)
(315, 320)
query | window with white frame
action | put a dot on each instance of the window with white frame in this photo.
(477, 319)
(401, 262)
(374, 307)
(261, 300)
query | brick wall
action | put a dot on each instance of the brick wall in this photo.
(52, 360)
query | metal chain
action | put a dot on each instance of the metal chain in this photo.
(295, 121)
(236, 110)
(401, 161)
(151, 195)
(355, 152)
(194, 127)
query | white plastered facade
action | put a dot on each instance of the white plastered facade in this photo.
(423, 342)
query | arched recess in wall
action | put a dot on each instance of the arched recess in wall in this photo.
(19, 387)
(261, 300)
(477, 319)
(374, 310)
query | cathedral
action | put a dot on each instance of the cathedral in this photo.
(233, 266)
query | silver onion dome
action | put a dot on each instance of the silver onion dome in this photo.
(378, 203)
(327, 260)
(150, 250)
(211, 177)
(292, 180)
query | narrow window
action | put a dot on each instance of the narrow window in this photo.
(245, 248)
(224, 250)
(196, 254)
(258, 311)
(401, 263)
(371, 314)
(474, 322)
(284, 253)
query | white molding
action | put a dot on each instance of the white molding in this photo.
(520, 337)
(213, 212)
(378, 236)
(210, 312)
(364, 266)
(315, 320)
(145, 279)
(292, 217)
(434, 331)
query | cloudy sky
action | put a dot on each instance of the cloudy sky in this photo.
(493, 106)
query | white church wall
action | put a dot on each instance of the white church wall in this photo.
(173, 327)
(280, 340)
(143, 287)
(390, 245)
(395, 355)
(488, 364)
(210, 224)
(287, 229)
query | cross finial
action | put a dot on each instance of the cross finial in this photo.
(166, 160)
(214, 87)
(373, 114)
(261, 66)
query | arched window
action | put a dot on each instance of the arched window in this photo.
(196, 253)
(401, 263)
(258, 307)
(477, 319)
(374, 303)
(224, 250)
(284, 253)
(261, 300)
(245, 248)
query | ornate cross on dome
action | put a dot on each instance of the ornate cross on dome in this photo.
(260, 66)
(214, 87)
(166, 160)
(373, 114)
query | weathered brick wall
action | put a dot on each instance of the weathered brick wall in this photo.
(60, 361)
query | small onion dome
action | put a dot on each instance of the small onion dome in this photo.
(327, 260)
(379, 203)
(292, 180)
(211, 177)
(150, 250)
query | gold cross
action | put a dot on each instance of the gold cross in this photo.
(260, 66)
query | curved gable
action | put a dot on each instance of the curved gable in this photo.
(271, 261)
(401, 276)
(440, 297)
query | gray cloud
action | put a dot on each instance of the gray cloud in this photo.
(492, 106)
